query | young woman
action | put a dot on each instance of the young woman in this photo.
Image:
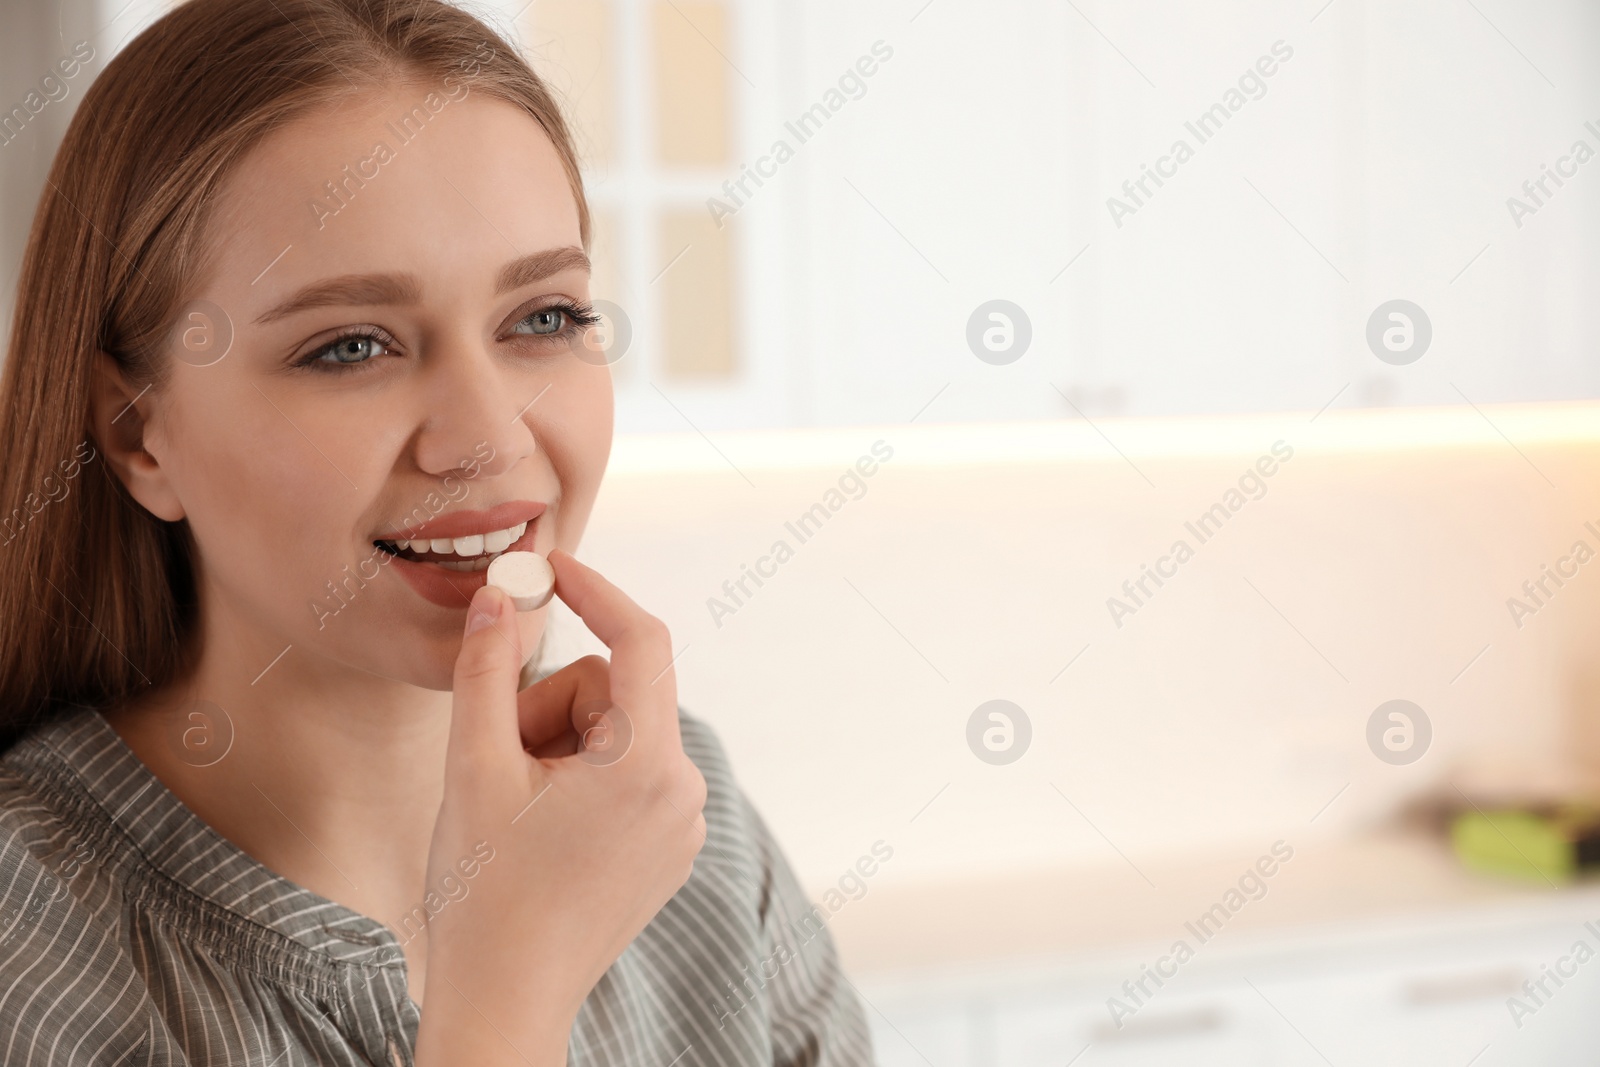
(298, 347)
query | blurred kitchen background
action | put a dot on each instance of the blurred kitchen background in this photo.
(1340, 343)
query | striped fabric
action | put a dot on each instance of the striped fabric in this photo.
(133, 933)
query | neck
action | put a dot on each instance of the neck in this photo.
(332, 778)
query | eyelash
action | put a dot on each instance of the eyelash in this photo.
(576, 317)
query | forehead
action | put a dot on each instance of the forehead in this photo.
(408, 178)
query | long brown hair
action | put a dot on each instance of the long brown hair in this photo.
(98, 596)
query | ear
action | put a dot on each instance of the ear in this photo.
(119, 417)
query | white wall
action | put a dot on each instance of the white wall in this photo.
(1390, 541)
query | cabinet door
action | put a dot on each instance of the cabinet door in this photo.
(1210, 1025)
(1052, 1027)
(1406, 1001)
(1446, 1006)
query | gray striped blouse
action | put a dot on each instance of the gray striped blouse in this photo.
(133, 933)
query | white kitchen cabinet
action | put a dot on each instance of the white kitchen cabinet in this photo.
(1382, 994)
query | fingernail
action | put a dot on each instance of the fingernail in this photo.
(485, 609)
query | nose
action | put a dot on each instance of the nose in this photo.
(473, 409)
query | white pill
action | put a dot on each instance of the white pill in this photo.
(526, 577)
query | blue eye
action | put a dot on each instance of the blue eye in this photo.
(556, 321)
(543, 322)
(351, 350)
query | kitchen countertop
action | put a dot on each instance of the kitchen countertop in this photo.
(1110, 910)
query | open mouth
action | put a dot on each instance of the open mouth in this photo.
(473, 552)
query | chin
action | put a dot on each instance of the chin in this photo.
(405, 639)
(393, 645)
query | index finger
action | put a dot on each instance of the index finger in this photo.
(642, 679)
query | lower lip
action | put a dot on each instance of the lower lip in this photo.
(448, 588)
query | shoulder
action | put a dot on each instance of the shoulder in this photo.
(41, 800)
(55, 855)
(750, 957)
(702, 745)
(69, 991)
(46, 829)
(736, 855)
(741, 860)
(730, 820)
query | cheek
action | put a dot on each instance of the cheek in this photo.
(597, 417)
(269, 510)
(264, 528)
(576, 439)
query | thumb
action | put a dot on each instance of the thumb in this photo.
(483, 718)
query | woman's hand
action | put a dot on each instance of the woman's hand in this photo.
(589, 843)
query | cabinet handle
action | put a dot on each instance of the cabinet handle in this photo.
(1452, 989)
(1164, 1025)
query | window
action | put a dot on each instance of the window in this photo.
(653, 88)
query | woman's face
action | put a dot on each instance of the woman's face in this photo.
(404, 283)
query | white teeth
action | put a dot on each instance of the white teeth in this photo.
(472, 546)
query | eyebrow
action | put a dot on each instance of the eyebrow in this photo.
(526, 270)
(368, 290)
